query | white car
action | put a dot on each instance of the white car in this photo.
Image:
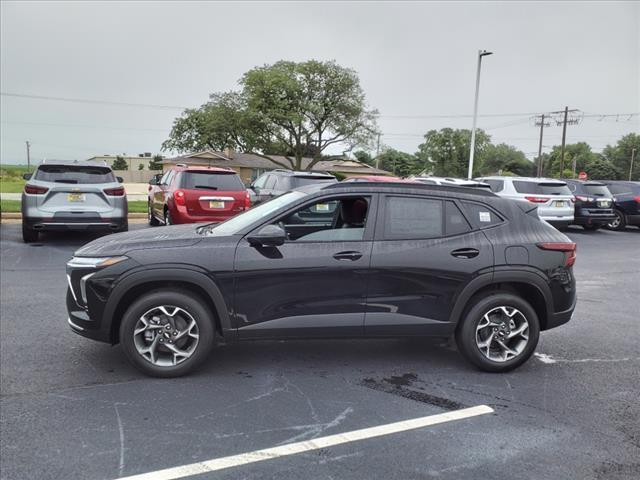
(458, 182)
(553, 198)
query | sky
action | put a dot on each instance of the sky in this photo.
(416, 62)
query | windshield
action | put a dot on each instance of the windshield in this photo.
(302, 181)
(211, 181)
(74, 174)
(242, 221)
(597, 190)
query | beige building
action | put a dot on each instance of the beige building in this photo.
(133, 161)
(250, 166)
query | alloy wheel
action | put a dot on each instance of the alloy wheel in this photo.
(502, 334)
(166, 335)
(615, 223)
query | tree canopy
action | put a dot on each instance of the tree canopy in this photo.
(445, 152)
(286, 109)
(620, 155)
(120, 164)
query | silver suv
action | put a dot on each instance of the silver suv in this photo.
(553, 198)
(72, 196)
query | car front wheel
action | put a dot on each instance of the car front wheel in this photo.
(167, 333)
(153, 221)
(29, 235)
(499, 332)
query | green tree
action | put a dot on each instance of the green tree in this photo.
(579, 152)
(620, 155)
(364, 157)
(599, 168)
(155, 163)
(288, 109)
(141, 166)
(503, 158)
(120, 164)
(445, 152)
(401, 164)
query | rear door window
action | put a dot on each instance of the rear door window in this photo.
(541, 188)
(74, 174)
(211, 181)
(413, 218)
(455, 223)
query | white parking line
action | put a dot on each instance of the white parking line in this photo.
(315, 444)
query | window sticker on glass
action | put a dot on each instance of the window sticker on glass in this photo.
(322, 207)
(485, 216)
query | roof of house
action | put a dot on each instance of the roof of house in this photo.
(250, 160)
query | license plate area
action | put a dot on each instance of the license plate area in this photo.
(216, 204)
(603, 204)
(75, 197)
(559, 204)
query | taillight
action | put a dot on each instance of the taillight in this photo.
(35, 190)
(637, 199)
(567, 247)
(582, 198)
(537, 199)
(179, 197)
(247, 201)
(114, 192)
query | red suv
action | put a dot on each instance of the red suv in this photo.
(196, 194)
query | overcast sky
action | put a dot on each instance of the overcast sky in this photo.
(415, 60)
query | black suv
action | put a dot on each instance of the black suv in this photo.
(593, 203)
(340, 260)
(277, 182)
(626, 203)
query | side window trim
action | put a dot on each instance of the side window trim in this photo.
(475, 224)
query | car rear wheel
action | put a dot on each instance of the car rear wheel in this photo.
(153, 221)
(167, 333)
(167, 218)
(499, 332)
(29, 234)
(619, 223)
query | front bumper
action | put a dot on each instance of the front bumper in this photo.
(81, 323)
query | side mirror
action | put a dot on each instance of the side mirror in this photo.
(268, 236)
(27, 176)
(153, 181)
(120, 179)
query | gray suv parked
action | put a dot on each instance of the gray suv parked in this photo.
(72, 196)
(277, 182)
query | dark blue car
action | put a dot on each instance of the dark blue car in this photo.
(626, 203)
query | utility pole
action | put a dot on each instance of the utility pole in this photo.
(481, 53)
(28, 156)
(564, 137)
(633, 156)
(378, 153)
(540, 166)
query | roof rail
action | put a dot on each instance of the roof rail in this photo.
(415, 186)
(181, 165)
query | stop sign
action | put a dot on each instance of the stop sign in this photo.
(582, 176)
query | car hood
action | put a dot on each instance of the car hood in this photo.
(121, 243)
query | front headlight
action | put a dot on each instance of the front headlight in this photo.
(94, 262)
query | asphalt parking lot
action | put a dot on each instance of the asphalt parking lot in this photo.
(72, 408)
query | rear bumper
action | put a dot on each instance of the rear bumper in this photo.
(181, 215)
(590, 218)
(559, 220)
(79, 221)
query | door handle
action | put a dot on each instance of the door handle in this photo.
(348, 256)
(465, 253)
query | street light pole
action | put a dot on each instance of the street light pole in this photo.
(481, 53)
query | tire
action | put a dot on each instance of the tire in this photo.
(167, 218)
(153, 221)
(591, 228)
(469, 335)
(619, 223)
(159, 360)
(29, 235)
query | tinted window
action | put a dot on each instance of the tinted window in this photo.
(270, 182)
(481, 215)
(302, 181)
(260, 181)
(597, 190)
(542, 188)
(496, 185)
(455, 222)
(74, 174)
(211, 181)
(410, 217)
(619, 189)
(168, 177)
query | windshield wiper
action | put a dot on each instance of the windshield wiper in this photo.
(66, 181)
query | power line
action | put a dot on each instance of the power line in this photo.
(96, 102)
